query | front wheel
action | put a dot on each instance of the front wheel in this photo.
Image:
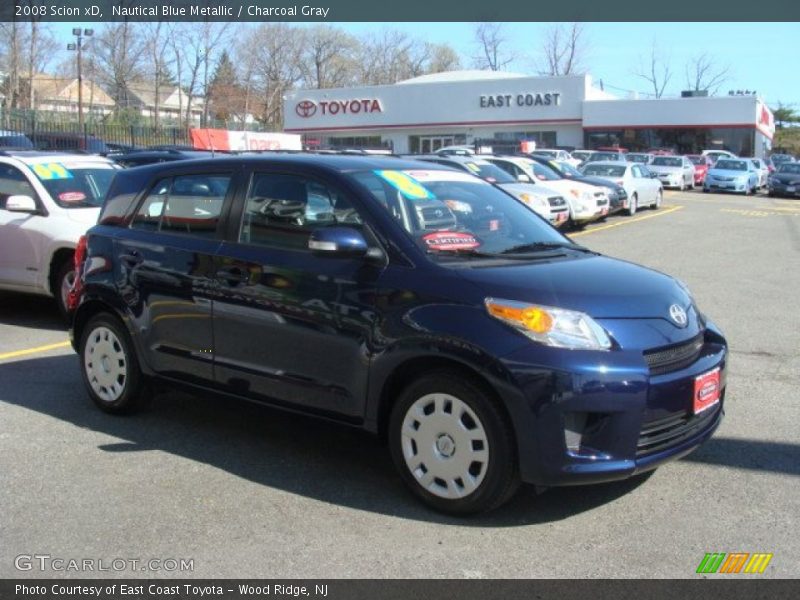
(109, 366)
(453, 445)
(657, 203)
(632, 205)
(62, 284)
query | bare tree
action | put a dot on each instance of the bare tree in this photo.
(657, 71)
(492, 47)
(564, 49)
(703, 73)
(384, 57)
(443, 58)
(116, 54)
(12, 54)
(157, 41)
(329, 57)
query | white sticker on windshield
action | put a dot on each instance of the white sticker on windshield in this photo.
(77, 166)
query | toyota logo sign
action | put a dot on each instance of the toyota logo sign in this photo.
(678, 315)
(306, 108)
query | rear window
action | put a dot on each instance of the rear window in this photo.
(731, 165)
(75, 184)
(604, 170)
(667, 161)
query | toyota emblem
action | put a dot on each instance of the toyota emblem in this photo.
(305, 108)
(678, 315)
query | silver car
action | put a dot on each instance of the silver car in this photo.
(673, 171)
(642, 186)
(763, 171)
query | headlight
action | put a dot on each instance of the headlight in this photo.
(575, 193)
(533, 200)
(556, 327)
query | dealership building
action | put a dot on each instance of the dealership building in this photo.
(497, 109)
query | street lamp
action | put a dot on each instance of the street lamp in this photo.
(78, 46)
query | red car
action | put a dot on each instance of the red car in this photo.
(701, 166)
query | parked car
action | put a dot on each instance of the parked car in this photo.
(715, 155)
(581, 155)
(486, 347)
(785, 181)
(642, 187)
(732, 175)
(778, 159)
(69, 142)
(47, 201)
(586, 203)
(617, 149)
(546, 201)
(763, 171)
(15, 140)
(701, 166)
(662, 151)
(148, 157)
(617, 196)
(604, 156)
(554, 154)
(673, 171)
(640, 157)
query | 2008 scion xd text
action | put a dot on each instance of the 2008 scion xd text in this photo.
(417, 302)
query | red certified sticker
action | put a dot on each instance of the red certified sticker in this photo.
(450, 240)
(72, 196)
(706, 390)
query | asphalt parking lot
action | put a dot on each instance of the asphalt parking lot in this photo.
(247, 491)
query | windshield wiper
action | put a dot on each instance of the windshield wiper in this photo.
(467, 252)
(543, 246)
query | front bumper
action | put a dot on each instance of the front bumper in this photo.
(724, 186)
(779, 189)
(595, 422)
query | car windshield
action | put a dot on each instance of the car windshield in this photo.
(787, 167)
(639, 158)
(545, 153)
(667, 161)
(544, 173)
(604, 170)
(697, 160)
(595, 156)
(489, 172)
(565, 169)
(75, 184)
(731, 165)
(451, 214)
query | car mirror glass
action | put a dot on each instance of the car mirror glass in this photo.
(21, 203)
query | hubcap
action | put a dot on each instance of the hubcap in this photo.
(66, 286)
(445, 446)
(106, 364)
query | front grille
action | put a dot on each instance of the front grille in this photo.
(673, 358)
(662, 433)
(602, 201)
(724, 178)
(599, 194)
(556, 201)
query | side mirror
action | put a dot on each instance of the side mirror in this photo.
(523, 177)
(21, 204)
(338, 242)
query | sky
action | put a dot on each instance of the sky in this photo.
(760, 56)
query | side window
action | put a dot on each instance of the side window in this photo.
(636, 171)
(282, 210)
(13, 182)
(186, 204)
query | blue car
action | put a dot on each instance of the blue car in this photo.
(417, 302)
(732, 175)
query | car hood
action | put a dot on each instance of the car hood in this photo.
(786, 177)
(600, 182)
(515, 189)
(566, 186)
(727, 173)
(84, 216)
(602, 287)
(664, 169)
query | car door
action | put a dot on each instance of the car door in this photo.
(291, 326)
(22, 235)
(688, 172)
(646, 185)
(166, 270)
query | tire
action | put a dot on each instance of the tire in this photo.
(460, 458)
(657, 203)
(632, 205)
(110, 368)
(61, 284)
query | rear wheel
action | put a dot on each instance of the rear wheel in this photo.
(632, 205)
(62, 284)
(109, 366)
(453, 445)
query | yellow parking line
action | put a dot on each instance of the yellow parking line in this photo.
(36, 350)
(797, 209)
(660, 213)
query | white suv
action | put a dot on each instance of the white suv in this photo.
(47, 202)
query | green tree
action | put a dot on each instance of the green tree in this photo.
(785, 113)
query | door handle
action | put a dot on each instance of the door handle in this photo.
(232, 276)
(131, 258)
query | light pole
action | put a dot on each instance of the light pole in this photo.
(79, 35)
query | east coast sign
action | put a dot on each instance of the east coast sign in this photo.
(520, 100)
